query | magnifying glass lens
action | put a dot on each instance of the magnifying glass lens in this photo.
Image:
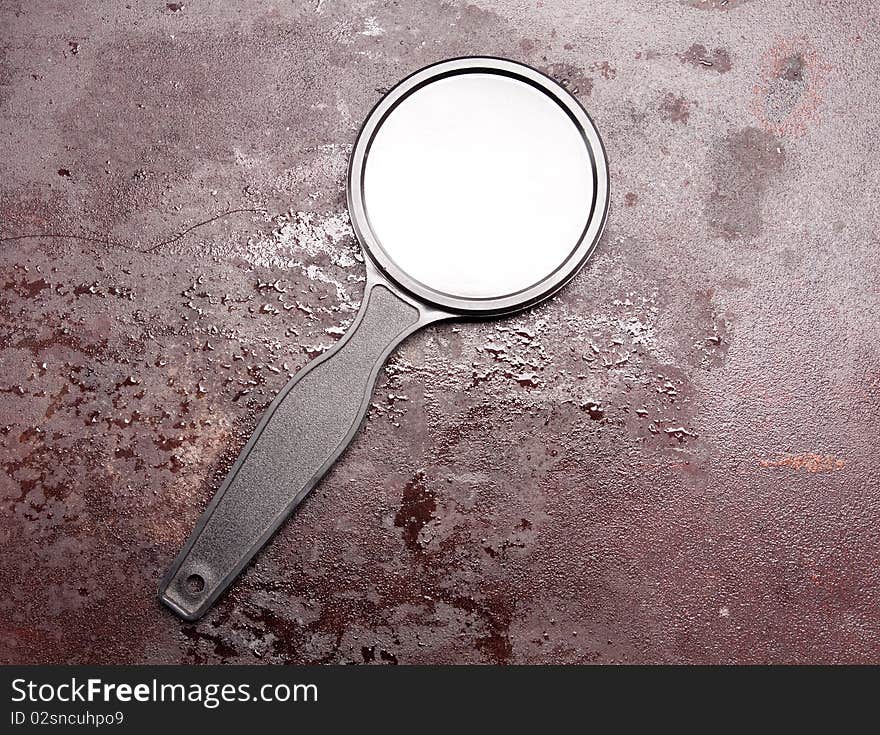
(478, 185)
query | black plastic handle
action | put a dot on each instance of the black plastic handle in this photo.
(303, 432)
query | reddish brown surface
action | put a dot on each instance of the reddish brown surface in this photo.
(675, 460)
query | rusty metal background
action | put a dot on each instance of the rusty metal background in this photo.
(675, 460)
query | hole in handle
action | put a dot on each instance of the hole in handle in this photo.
(195, 584)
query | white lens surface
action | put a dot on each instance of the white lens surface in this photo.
(478, 185)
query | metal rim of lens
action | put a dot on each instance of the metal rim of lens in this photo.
(580, 252)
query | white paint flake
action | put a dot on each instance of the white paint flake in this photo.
(372, 27)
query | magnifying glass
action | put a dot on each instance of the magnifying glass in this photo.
(477, 187)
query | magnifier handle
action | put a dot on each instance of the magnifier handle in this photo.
(303, 432)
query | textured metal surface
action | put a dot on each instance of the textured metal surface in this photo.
(675, 459)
